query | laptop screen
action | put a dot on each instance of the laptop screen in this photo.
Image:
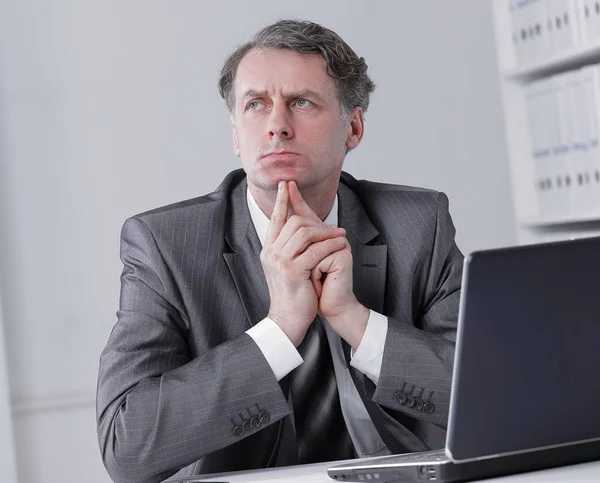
(527, 367)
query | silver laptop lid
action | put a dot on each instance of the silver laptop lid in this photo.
(527, 368)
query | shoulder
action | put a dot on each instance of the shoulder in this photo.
(183, 215)
(398, 201)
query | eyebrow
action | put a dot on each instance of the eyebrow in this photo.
(290, 95)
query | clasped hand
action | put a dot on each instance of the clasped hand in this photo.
(308, 268)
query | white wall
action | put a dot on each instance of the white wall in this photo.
(108, 108)
(8, 469)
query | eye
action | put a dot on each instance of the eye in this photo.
(254, 105)
(303, 103)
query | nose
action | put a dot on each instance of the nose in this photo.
(279, 124)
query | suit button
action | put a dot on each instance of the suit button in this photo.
(410, 401)
(400, 397)
(418, 403)
(255, 420)
(238, 431)
(247, 425)
(428, 408)
(264, 416)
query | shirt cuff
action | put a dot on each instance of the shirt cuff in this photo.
(278, 349)
(369, 355)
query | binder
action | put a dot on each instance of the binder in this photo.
(580, 197)
(585, 118)
(594, 19)
(594, 142)
(584, 19)
(543, 39)
(561, 180)
(546, 122)
(533, 102)
(514, 29)
(566, 35)
(570, 11)
(522, 21)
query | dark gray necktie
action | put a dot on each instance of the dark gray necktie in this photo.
(321, 431)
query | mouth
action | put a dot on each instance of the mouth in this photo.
(275, 154)
(280, 157)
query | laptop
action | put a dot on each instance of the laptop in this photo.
(526, 381)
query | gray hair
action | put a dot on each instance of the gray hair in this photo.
(348, 70)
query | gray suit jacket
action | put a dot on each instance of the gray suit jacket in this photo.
(180, 381)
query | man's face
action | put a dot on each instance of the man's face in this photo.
(287, 120)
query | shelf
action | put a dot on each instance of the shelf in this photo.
(542, 221)
(557, 63)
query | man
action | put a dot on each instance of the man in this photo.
(255, 332)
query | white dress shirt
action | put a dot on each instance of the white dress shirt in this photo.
(283, 357)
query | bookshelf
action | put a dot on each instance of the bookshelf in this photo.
(548, 55)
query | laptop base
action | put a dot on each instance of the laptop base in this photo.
(414, 468)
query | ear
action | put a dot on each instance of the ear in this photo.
(236, 145)
(356, 128)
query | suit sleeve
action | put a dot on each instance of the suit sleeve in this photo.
(160, 408)
(416, 371)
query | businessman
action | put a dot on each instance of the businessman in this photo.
(295, 314)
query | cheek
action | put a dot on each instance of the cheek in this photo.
(331, 140)
(248, 133)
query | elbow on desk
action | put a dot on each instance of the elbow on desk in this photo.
(127, 467)
(127, 460)
(124, 472)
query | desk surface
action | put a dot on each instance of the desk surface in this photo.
(585, 472)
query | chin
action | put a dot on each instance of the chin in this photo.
(269, 179)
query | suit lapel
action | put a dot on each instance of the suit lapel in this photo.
(243, 261)
(369, 261)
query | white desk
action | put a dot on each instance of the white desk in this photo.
(317, 473)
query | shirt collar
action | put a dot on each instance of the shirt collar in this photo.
(261, 222)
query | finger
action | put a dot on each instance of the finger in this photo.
(335, 261)
(316, 252)
(317, 284)
(300, 206)
(307, 235)
(292, 225)
(280, 211)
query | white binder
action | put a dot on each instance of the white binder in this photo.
(556, 26)
(544, 134)
(533, 101)
(532, 12)
(521, 22)
(570, 9)
(594, 142)
(545, 40)
(569, 123)
(584, 18)
(515, 29)
(565, 22)
(593, 22)
(585, 124)
(561, 180)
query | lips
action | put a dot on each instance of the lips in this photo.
(280, 158)
(279, 154)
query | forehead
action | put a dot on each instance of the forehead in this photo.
(278, 71)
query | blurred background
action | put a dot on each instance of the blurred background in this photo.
(109, 108)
